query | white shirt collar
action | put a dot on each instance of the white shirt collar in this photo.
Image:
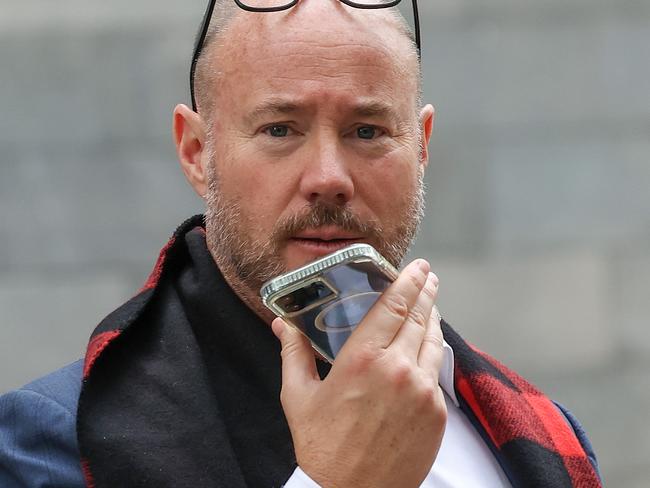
(446, 376)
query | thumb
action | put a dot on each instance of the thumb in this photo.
(298, 361)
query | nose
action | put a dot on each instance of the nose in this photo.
(326, 176)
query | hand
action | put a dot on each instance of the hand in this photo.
(379, 416)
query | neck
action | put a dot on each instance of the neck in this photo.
(245, 293)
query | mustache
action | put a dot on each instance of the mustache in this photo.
(321, 215)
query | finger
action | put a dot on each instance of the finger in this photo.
(431, 351)
(298, 361)
(409, 337)
(387, 315)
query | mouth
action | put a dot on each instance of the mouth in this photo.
(325, 244)
(320, 242)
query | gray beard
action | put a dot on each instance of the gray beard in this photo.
(253, 262)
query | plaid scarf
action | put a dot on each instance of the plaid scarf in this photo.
(536, 442)
(132, 432)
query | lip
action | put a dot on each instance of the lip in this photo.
(315, 247)
(318, 248)
(326, 234)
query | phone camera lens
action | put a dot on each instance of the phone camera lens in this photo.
(310, 294)
(288, 303)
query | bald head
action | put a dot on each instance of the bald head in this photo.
(309, 118)
(234, 35)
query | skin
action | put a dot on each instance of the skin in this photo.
(292, 100)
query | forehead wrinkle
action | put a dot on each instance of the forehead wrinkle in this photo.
(375, 108)
(374, 34)
(273, 106)
(247, 34)
(270, 52)
(358, 61)
(348, 51)
(366, 107)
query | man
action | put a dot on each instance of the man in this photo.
(309, 136)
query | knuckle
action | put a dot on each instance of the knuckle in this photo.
(430, 292)
(430, 399)
(363, 359)
(289, 349)
(396, 305)
(400, 373)
(284, 397)
(417, 279)
(427, 394)
(433, 339)
(440, 410)
(417, 316)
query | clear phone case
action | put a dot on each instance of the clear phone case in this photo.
(326, 299)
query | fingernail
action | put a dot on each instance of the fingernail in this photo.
(424, 266)
(436, 313)
(434, 279)
(277, 326)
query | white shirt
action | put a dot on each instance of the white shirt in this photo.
(463, 459)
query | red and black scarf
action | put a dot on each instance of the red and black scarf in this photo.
(181, 389)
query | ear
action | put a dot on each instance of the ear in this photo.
(427, 116)
(189, 137)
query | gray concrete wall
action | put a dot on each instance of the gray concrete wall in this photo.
(538, 206)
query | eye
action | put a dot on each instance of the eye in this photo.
(277, 130)
(367, 132)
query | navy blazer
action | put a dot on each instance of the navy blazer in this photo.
(38, 434)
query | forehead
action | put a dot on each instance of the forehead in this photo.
(320, 47)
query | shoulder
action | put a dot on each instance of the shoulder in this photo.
(580, 434)
(512, 402)
(38, 441)
(61, 386)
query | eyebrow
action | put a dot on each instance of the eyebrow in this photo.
(376, 109)
(283, 106)
(272, 107)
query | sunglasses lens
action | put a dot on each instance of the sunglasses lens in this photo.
(265, 3)
(364, 3)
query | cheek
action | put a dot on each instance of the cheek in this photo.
(388, 186)
(261, 189)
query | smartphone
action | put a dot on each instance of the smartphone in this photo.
(326, 299)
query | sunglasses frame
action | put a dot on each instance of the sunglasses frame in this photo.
(205, 24)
